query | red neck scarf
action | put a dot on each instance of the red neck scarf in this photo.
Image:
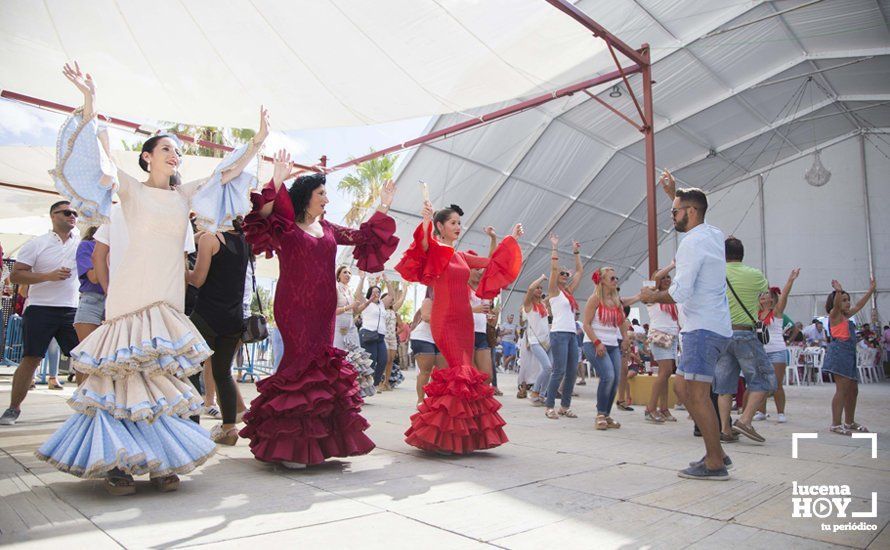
(540, 309)
(610, 316)
(670, 309)
(768, 318)
(572, 301)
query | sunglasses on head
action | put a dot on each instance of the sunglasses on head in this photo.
(66, 213)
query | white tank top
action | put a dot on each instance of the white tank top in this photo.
(373, 318)
(660, 319)
(776, 336)
(423, 332)
(607, 334)
(479, 320)
(563, 316)
(538, 329)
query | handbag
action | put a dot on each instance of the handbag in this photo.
(255, 327)
(660, 339)
(760, 331)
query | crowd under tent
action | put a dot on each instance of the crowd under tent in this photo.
(748, 96)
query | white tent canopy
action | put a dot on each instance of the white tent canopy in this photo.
(729, 107)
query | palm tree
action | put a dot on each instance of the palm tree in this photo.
(365, 185)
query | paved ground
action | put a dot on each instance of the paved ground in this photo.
(557, 484)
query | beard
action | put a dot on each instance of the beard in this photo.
(681, 224)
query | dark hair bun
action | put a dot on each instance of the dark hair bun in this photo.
(457, 209)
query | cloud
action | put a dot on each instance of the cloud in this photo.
(24, 121)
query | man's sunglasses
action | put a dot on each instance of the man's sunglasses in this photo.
(66, 213)
(564, 273)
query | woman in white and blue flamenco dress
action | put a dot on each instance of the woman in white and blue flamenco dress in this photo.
(131, 413)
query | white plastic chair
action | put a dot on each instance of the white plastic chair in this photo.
(818, 357)
(791, 372)
(865, 363)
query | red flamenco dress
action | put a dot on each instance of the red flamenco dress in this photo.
(309, 410)
(459, 414)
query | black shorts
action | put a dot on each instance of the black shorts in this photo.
(40, 324)
(481, 341)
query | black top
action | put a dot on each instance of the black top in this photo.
(221, 297)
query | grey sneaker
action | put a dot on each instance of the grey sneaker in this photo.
(700, 471)
(747, 431)
(727, 462)
(9, 417)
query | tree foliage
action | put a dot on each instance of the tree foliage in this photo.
(365, 185)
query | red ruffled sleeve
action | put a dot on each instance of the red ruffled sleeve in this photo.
(374, 241)
(264, 234)
(422, 267)
(503, 268)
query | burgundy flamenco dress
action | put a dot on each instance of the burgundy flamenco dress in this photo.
(309, 410)
(459, 414)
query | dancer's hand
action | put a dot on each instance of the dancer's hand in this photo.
(554, 240)
(794, 274)
(668, 184)
(281, 168)
(600, 349)
(427, 212)
(576, 247)
(263, 132)
(835, 284)
(517, 232)
(83, 82)
(387, 193)
(647, 295)
(489, 230)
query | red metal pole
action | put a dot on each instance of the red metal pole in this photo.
(27, 188)
(614, 110)
(500, 113)
(649, 132)
(598, 30)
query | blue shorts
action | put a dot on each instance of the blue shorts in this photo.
(481, 341)
(701, 350)
(665, 354)
(509, 348)
(778, 357)
(422, 347)
(744, 354)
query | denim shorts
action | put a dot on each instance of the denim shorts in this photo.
(664, 354)
(481, 341)
(422, 347)
(701, 350)
(744, 354)
(91, 308)
(778, 357)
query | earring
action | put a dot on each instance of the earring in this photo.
(148, 162)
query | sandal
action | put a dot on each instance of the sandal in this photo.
(623, 406)
(538, 401)
(839, 429)
(666, 415)
(856, 427)
(568, 413)
(118, 484)
(551, 414)
(166, 484)
(653, 416)
(612, 423)
(601, 422)
(498, 392)
(224, 437)
(521, 393)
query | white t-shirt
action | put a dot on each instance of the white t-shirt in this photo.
(479, 321)
(563, 315)
(373, 318)
(776, 337)
(48, 253)
(660, 319)
(115, 235)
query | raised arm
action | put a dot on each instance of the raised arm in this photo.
(836, 304)
(280, 170)
(553, 287)
(783, 298)
(401, 293)
(864, 300)
(492, 240)
(527, 302)
(668, 184)
(579, 268)
(231, 172)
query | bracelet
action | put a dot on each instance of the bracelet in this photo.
(554, 257)
(576, 253)
(597, 342)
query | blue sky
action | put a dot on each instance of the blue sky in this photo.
(25, 125)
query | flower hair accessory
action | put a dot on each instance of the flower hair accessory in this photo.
(596, 277)
(775, 290)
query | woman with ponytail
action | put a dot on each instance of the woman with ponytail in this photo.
(603, 327)
(219, 274)
(772, 310)
(132, 411)
(563, 341)
(459, 414)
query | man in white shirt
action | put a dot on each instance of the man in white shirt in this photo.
(700, 286)
(508, 333)
(48, 264)
(815, 334)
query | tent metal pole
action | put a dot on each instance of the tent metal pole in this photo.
(489, 117)
(868, 234)
(599, 31)
(762, 224)
(651, 185)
